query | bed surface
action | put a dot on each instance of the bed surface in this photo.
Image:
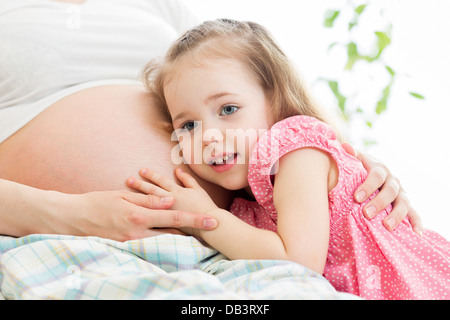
(162, 267)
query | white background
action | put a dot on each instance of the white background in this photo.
(413, 135)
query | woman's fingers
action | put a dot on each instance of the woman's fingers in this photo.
(349, 149)
(375, 179)
(152, 211)
(401, 209)
(390, 192)
(181, 219)
(149, 201)
(387, 195)
(415, 221)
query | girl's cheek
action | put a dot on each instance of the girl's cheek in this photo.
(191, 151)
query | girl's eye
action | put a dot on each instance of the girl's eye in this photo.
(190, 125)
(227, 110)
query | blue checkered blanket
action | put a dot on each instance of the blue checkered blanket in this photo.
(162, 267)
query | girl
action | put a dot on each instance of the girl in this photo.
(244, 121)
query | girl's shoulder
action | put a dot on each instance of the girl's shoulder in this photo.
(303, 124)
(283, 137)
(290, 134)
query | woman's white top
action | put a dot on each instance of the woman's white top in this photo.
(50, 49)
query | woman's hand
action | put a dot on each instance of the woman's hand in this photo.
(391, 192)
(118, 215)
(192, 197)
(126, 215)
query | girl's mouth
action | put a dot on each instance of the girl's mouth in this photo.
(223, 163)
(223, 159)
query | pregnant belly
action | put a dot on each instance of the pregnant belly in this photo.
(92, 140)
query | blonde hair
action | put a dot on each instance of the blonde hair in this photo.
(251, 44)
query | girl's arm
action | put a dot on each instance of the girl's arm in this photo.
(300, 196)
(232, 236)
(301, 200)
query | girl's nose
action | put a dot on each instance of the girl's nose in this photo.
(207, 143)
(211, 136)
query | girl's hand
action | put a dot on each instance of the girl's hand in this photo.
(391, 192)
(192, 197)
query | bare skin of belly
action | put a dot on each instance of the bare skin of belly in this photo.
(93, 140)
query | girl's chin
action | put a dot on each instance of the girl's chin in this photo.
(234, 185)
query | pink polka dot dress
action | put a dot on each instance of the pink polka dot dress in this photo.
(363, 257)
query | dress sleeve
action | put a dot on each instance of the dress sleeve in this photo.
(285, 136)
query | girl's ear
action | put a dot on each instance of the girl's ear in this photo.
(167, 127)
(270, 115)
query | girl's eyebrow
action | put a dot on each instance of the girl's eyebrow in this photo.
(207, 100)
(179, 116)
(217, 96)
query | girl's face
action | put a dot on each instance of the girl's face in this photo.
(218, 111)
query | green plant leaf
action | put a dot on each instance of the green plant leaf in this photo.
(330, 17)
(360, 9)
(389, 69)
(369, 142)
(417, 95)
(352, 14)
(382, 103)
(352, 54)
(341, 99)
(331, 46)
(381, 107)
(384, 40)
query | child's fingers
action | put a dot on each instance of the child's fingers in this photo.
(187, 180)
(158, 179)
(146, 187)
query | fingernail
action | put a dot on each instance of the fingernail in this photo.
(166, 199)
(419, 232)
(370, 211)
(209, 223)
(390, 223)
(360, 196)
